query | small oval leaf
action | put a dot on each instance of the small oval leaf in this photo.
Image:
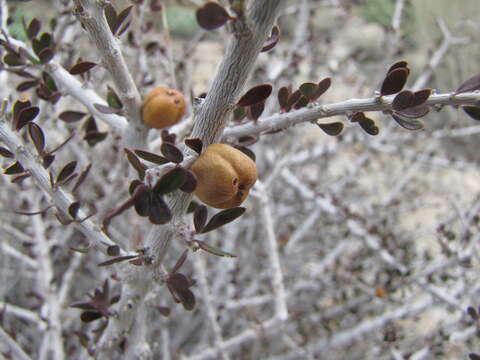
(200, 218)
(171, 152)
(171, 181)
(37, 136)
(26, 115)
(472, 111)
(66, 171)
(212, 16)
(222, 218)
(332, 129)
(411, 124)
(82, 67)
(190, 183)
(272, 40)
(150, 157)
(394, 81)
(403, 100)
(369, 126)
(71, 116)
(159, 211)
(195, 144)
(282, 96)
(255, 95)
(470, 84)
(136, 163)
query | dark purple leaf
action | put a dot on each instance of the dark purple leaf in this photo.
(26, 115)
(159, 211)
(179, 262)
(255, 111)
(403, 100)
(18, 179)
(66, 172)
(5, 152)
(474, 356)
(82, 67)
(136, 163)
(46, 55)
(472, 111)
(283, 95)
(111, 16)
(167, 137)
(188, 300)
(89, 316)
(171, 181)
(37, 136)
(332, 129)
(397, 65)
(272, 40)
(94, 137)
(117, 260)
(410, 124)
(18, 106)
(222, 218)
(323, 86)
(48, 160)
(190, 183)
(470, 84)
(142, 203)
(414, 112)
(195, 144)
(27, 85)
(368, 125)
(394, 81)
(421, 96)
(120, 19)
(71, 116)
(255, 95)
(33, 28)
(293, 98)
(73, 209)
(81, 178)
(212, 16)
(113, 250)
(171, 152)
(150, 157)
(178, 282)
(200, 218)
(302, 102)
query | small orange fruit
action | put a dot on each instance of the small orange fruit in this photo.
(224, 176)
(163, 107)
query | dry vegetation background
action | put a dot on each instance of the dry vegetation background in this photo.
(378, 236)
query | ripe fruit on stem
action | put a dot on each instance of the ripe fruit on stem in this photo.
(224, 176)
(163, 107)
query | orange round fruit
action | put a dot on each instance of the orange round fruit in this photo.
(224, 176)
(163, 107)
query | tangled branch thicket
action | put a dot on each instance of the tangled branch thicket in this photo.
(359, 238)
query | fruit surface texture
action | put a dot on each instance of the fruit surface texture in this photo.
(163, 107)
(224, 176)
